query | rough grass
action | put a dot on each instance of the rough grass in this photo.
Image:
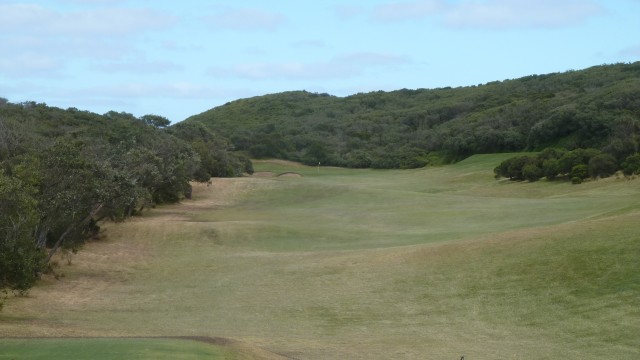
(363, 264)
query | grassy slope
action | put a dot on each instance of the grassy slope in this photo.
(430, 263)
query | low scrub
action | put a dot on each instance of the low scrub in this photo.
(575, 165)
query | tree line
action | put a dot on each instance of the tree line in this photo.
(63, 171)
(576, 165)
(598, 107)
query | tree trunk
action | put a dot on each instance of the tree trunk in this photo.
(60, 241)
(42, 238)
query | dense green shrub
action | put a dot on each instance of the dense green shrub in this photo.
(554, 163)
(551, 168)
(532, 172)
(512, 168)
(20, 259)
(579, 171)
(602, 165)
(631, 165)
(579, 156)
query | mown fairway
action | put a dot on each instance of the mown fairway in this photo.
(360, 264)
(109, 349)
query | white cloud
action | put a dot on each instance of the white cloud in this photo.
(34, 56)
(350, 65)
(174, 90)
(34, 19)
(491, 14)
(180, 46)
(245, 19)
(400, 11)
(68, 47)
(138, 67)
(348, 12)
(291, 70)
(40, 41)
(95, 2)
(372, 59)
(501, 14)
(31, 65)
(309, 44)
(631, 52)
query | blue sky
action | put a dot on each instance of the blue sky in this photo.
(179, 58)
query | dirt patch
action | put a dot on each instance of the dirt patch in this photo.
(264, 174)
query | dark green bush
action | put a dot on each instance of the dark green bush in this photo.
(532, 172)
(602, 165)
(631, 165)
(579, 171)
(551, 168)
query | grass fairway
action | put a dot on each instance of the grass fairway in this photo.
(365, 264)
(109, 349)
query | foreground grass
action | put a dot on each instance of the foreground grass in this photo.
(430, 263)
(109, 349)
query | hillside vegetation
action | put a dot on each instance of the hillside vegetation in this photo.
(594, 108)
(62, 171)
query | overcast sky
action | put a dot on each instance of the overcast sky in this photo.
(179, 58)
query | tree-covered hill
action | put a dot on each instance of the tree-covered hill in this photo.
(594, 108)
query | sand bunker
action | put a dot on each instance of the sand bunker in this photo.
(290, 174)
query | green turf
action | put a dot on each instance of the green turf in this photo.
(108, 349)
(351, 209)
(429, 263)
